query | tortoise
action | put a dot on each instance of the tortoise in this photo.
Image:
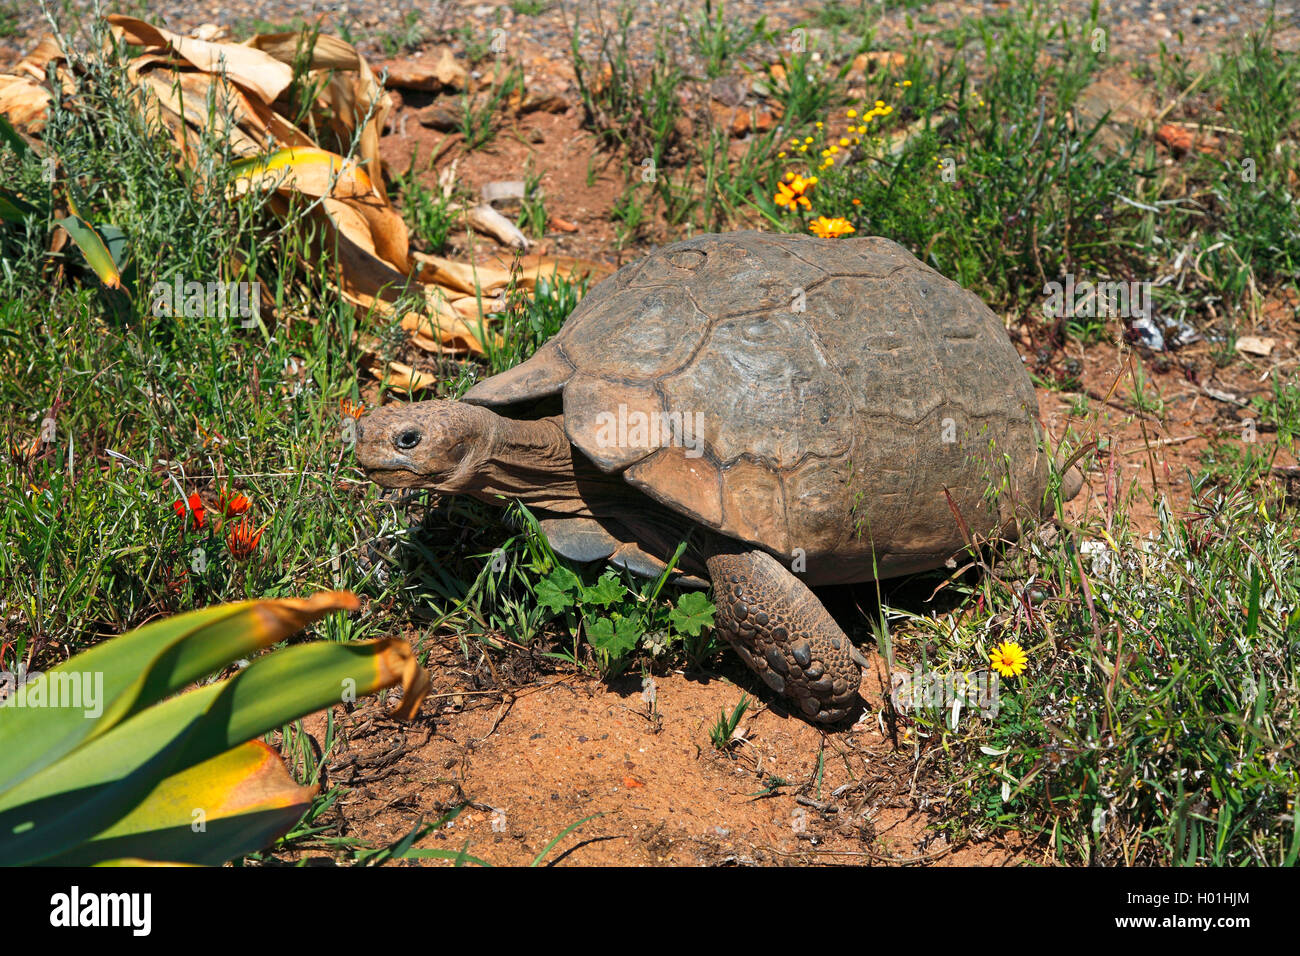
(804, 411)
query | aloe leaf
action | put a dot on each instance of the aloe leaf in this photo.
(93, 248)
(85, 794)
(232, 804)
(138, 669)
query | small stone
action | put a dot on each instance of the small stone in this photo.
(1256, 345)
(440, 117)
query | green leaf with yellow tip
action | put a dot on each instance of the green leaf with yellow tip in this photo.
(120, 785)
(232, 804)
(76, 799)
(93, 248)
(305, 169)
(143, 667)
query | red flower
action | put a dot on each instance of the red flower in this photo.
(174, 584)
(195, 511)
(242, 541)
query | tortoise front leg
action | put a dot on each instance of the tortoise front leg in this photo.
(784, 633)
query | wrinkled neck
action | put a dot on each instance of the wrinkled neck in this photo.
(533, 462)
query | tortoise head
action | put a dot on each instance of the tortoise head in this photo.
(435, 444)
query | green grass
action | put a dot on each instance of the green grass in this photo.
(530, 8)
(723, 732)
(8, 19)
(405, 37)
(718, 40)
(1249, 236)
(990, 179)
(997, 180)
(143, 409)
(629, 105)
(1154, 722)
(480, 113)
(427, 211)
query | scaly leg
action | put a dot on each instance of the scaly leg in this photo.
(785, 634)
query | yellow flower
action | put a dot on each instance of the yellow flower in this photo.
(907, 82)
(844, 141)
(880, 104)
(851, 113)
(1009, 659)
(781, 155)
(808, 139)
(818, 124)
(830, 228)
(803, 149)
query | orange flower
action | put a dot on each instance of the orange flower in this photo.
(232, 505)
(242, 541)
(194, 511)
(830, 228)
(790, 194)
(350, 408)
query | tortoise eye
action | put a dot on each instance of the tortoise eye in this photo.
(407, 439)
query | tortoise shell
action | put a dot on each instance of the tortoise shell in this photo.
(831, 399)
